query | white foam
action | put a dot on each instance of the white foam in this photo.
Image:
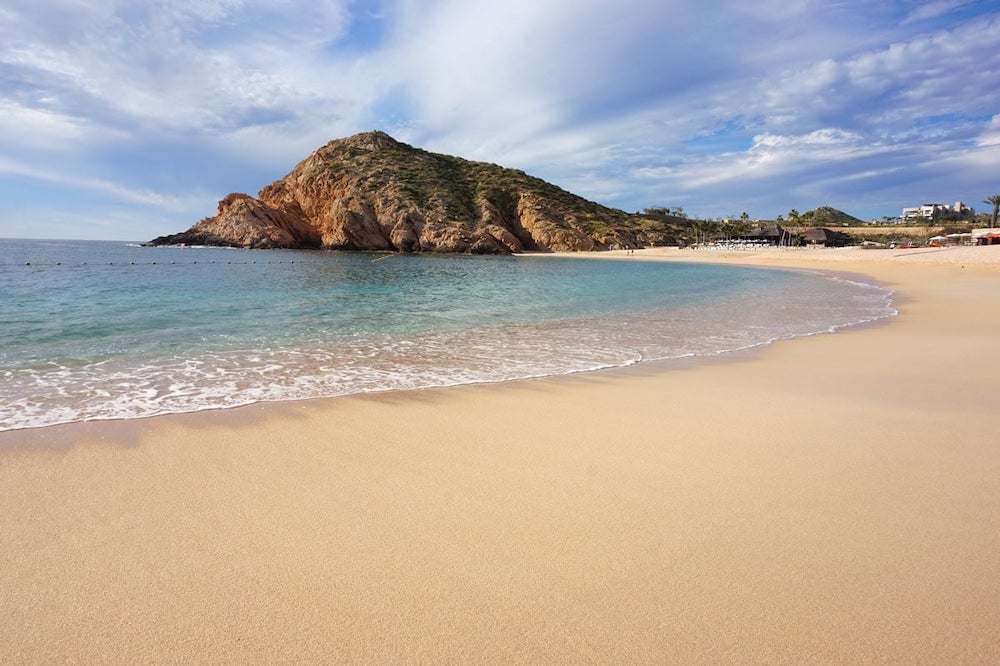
(117, 388)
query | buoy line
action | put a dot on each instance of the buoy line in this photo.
(154, 263)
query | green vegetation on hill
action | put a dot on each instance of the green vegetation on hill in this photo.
(825, 216)
(456, 188)
(456, 184)
(371, 192)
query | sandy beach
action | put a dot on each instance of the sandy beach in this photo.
(830, 499)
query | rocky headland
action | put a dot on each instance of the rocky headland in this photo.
(371, 192)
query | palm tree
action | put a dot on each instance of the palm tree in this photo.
(700, 228)
(995, 201)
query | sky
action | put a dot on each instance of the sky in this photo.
(127, 120)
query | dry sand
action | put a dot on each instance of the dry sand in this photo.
(833, 499)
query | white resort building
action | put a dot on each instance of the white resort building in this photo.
(931, 210)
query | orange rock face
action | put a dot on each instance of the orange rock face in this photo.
(371, 192)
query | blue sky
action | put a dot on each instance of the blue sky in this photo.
(128, 120)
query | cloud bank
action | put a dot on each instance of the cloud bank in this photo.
(125, 120)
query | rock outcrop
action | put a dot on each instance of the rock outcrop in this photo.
(371, 192)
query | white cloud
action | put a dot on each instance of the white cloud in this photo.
(895, 85)
(114, 190)
(991, 133)
(170, 64)
(772, 155)
(931, 10)
(39, 128)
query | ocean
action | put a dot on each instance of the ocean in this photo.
(112, 330)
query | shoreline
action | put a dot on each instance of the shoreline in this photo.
(826, 498)
(108, 418)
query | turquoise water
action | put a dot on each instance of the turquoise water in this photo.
(99, 330)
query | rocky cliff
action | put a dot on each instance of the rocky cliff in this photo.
(371, 192)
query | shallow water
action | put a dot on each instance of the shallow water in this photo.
(100, 330)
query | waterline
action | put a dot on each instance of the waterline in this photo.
(111, 331)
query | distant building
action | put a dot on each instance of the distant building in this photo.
(931, 210)
(770, 233)
(823, 237)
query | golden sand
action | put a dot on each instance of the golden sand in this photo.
(832, 499)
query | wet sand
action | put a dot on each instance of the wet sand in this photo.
(831, 499)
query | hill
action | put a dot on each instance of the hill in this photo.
(371, 192)
(825, 216)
